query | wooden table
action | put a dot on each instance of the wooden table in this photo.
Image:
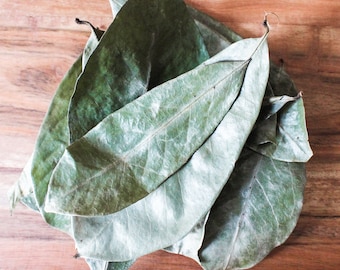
(38, 42)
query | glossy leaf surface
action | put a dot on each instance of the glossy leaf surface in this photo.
(170, 212)
(147, 43)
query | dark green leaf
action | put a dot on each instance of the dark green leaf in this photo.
(216, 35)
(54, 135)
(92, 41)
(147, 43)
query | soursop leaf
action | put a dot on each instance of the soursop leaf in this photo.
(291, 143)
(116, 5)
(264, 130)
(148, 43)
(292, 128)
(52, 140)
(268, 123)
(215, 34)
(256, 211)
(51, 143)
(192, 242)
(272, 105)
(22, 190)
(95, 264)
(132, 151)
(54, 135)
(92, 41)
(169, 213)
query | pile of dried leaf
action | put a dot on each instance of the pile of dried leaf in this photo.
(170, 132)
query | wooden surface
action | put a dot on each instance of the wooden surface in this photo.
(39, 41)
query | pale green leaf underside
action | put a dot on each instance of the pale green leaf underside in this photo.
(256, 211)
(191, 242)
(291, 142)
(268, 135)
(116, 5)
(22, 190)
(106, 170)
(169, 213)
(110, 235)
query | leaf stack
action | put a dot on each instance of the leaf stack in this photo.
(170, 132)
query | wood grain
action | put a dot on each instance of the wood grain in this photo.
(39, 41)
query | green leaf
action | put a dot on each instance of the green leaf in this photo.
(52, 140)
(256, 211)
(215, 34)
(103, 265)
(215, 252)
(131, 152)
(169, 213)
(92, 41)
(291, 143)
(264, 130)
(116, 5)
(292, 128)
(147, 43)
(22, 190)
(54, 135)
(192, 242)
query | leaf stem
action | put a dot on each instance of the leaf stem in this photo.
(78, 21)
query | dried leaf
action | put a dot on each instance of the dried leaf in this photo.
(116, 5)
(291, 142)
(92, 41)
(22, 190)
(216, 35)
(233, 240)
(192, 242)
(147, 43)
(51, 143)
(103, 265)
(132, 151)
(52, 140)
(256, 211)
(170, 212)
